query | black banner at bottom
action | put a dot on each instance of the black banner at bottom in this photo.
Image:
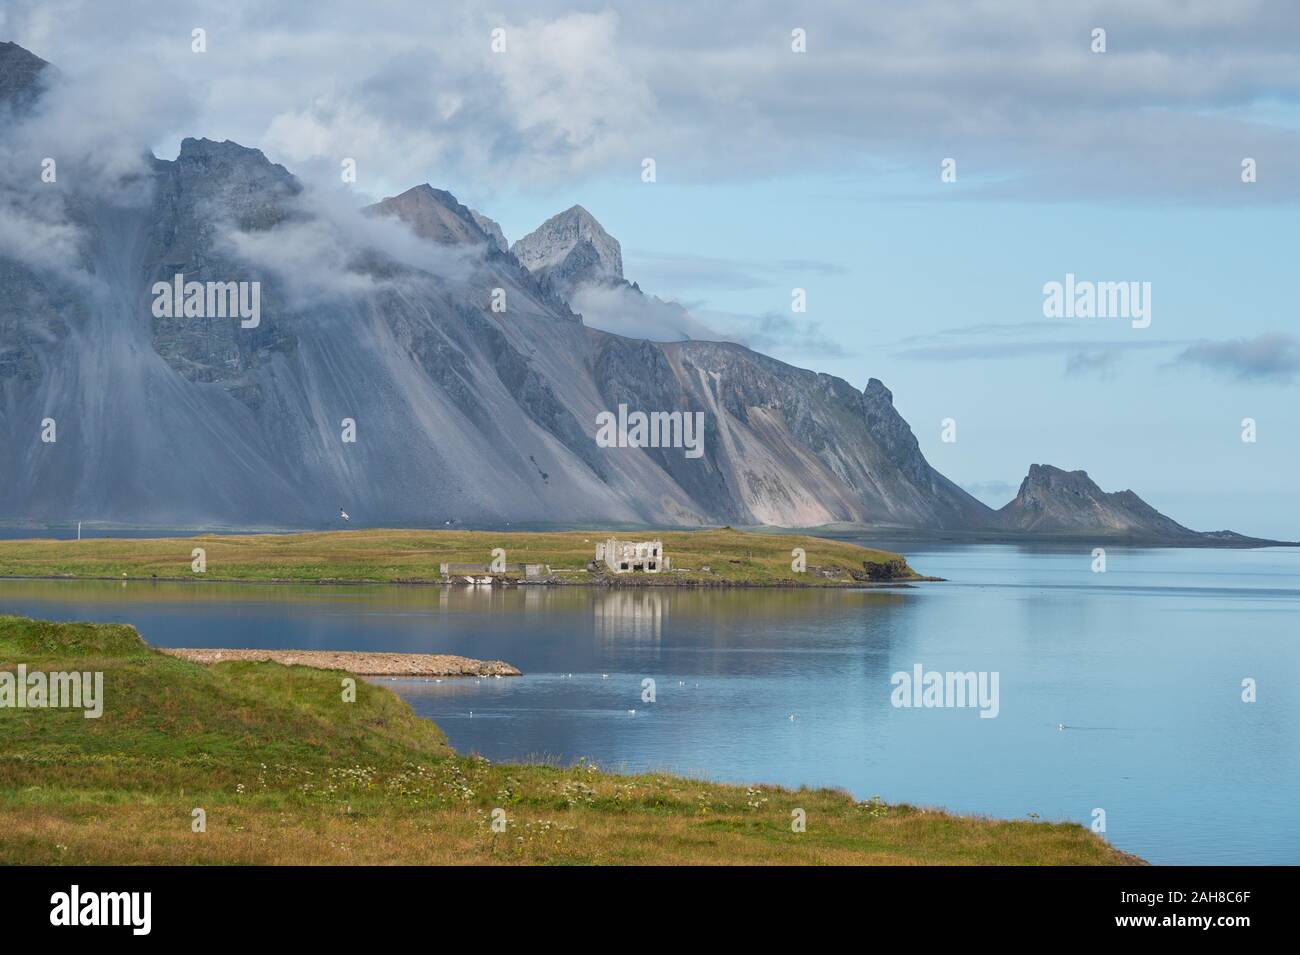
(335, 905)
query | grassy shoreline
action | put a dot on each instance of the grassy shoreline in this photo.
(287, 772)
(709, 558)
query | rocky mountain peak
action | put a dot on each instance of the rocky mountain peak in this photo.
(572, 245)
(877, 392)
(238, 181)
(435, 214)
(206, 160)
(1055, 501)
(21, 75)
(893, 433)
(1046, 478)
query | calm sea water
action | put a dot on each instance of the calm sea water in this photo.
(1143, 665)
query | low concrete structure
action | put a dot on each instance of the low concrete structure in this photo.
(633, 557)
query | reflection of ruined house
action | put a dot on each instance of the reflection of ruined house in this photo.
(624, 614)
(626, 557)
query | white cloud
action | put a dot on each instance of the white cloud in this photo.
(1009, 89)
(326, 250)
(625, 311)
(93, 126)
(571, 93)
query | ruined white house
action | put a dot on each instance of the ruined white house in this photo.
(626, 557)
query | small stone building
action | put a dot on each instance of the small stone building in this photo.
(627, 557)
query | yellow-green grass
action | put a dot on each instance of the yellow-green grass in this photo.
(287, 772)
(722, 556)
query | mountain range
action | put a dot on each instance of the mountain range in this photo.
(412, 367)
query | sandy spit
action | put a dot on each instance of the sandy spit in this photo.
(360, 663)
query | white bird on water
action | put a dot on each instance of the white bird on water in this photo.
(344, 514)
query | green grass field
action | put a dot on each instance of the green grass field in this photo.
(706, 557)
(287, 772)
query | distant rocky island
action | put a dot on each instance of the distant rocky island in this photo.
(1052, 502)
(415, 369)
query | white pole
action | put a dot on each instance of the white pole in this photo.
(78, 530)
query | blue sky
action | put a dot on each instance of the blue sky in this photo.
(820, 170)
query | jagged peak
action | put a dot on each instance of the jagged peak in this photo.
(1048, 475)
(424, 196)
(551, 243)
(1053, 500)
(876, 390)
(227, 158)
(192, 146)
(434, 214)
(12, 55)
(22, 73)
(576, 213)
(1050, 469)
(424, 192)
